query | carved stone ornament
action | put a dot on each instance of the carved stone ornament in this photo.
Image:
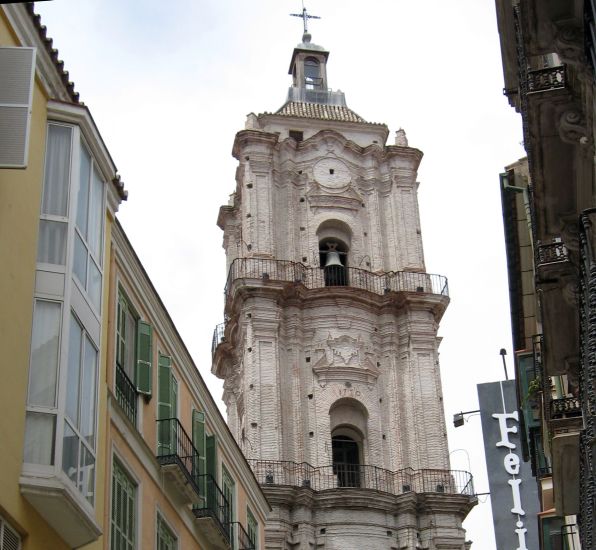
(569, 44)
(400, 138)
(572, 127)
(345, 359)
(325, 197)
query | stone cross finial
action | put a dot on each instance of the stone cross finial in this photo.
(305, 17)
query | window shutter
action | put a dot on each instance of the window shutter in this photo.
(211, 464)
(164, 404)
(198, 439)
(144, 357)
(17, 67)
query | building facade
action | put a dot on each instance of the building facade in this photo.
(549, 55)
(110, 438)
(329, 349)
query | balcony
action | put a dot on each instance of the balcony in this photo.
(218, 337)
(568, 407)
(179, 459)
(342, 476)
(215, 513)
(243, 539)
(261, 271)
(545, 80)
(126, 394)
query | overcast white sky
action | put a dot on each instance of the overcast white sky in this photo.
(170, 83)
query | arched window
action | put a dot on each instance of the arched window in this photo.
(312, 73)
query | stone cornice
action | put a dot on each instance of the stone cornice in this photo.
(259, 138)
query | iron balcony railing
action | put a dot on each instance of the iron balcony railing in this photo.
(315, 277)
(565, 408)
(218, 336)
(270, 472)
(176, 447)
(126, 394)
(215, 506)
(242, 537)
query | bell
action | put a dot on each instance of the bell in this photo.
(332, 258)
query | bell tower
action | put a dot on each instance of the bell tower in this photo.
(329, 349)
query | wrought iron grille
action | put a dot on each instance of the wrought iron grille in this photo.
(126, 394)
(218, 336)
(242, 537)
(285, 271)
(270, 472)
(176, 447)
(587, 524)
(544, 80)
(215, 505)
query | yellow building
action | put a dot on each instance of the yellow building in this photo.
(77, 467)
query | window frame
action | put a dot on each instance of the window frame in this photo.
(160, 520)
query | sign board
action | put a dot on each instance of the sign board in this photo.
(513, 490)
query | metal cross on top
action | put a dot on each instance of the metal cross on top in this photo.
(305, 17)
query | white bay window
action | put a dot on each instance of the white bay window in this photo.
(59, 457)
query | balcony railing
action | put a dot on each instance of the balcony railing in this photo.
(314, 277)
(544, 80)
(336, 476)
(218, 336)
(215, 506)
(242, 537)
(550, 253)
(565, 408)
(175, 448)
(126, 394)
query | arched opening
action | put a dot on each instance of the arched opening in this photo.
(346, 460)
(312, 74)
(333, 258)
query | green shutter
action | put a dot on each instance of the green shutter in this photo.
(143, 372)
(198, 440)
(211, 464)
(164, 405)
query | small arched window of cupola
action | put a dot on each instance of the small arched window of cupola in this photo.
(312, 74)
(334, 245)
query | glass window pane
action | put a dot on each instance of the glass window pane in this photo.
(39, 438)
(86, 483)
(130, 331)
(87, 426)
(94, 287)
(79, 263)
(74, 362)
(44, 353)
(95, 232)
(70, 453)
(51, 247)
(83, 194)
(57, 171)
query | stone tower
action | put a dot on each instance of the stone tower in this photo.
(329, 350)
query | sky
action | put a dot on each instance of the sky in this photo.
(170, 83)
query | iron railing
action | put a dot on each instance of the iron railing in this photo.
(565, 407)
(286, 271)
(242, 537)
(587, 378)
(218, 336)
(271, 472)
(551, 253)
(544, 80)
(215, 505)
(176, 447)
(126, 394)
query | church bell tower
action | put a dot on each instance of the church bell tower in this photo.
(329, 350)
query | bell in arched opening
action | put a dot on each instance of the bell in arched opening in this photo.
(334, 265)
